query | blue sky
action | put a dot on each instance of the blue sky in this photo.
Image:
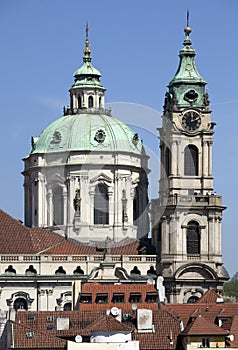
(135, 45)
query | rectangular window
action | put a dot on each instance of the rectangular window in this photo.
(50, 319)
(86, 298)
(151, 297)
(135, 298)
(205, 343)
(30, 334)
(101, 298)
(118, 298)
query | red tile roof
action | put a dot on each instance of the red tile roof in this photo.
(210, 297)
(39, 240)
(83, 322)
(166, 326)
(106, 323)
(125, 288)
(201, 326)
(37, 340)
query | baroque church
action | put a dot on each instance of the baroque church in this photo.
(87, 212)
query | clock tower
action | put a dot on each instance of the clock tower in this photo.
(188, 214)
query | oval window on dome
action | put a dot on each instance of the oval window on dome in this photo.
(100, 136)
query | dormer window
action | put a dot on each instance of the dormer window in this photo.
(101, 298)
(118, 298)
(90, 101)
(135, 297)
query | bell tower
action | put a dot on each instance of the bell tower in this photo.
(188, 214)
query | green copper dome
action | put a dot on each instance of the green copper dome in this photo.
(87, 132)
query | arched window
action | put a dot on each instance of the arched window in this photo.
(191, 161)
(60, 271)
(135, 271)
(68, 307)
(151, 271)
(101, 206)
(58, 206)
(167, 164)
(10, 270)
(193, 299)
(30, 271)
(100, 102)
(90, 101)
(136, 206)
(78, 271)
(20, 304)
(79, 102)
(193, 238)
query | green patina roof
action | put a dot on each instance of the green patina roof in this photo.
(87, 132)
(87, 69)
(187, 72)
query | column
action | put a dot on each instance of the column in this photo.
(164, 236)
(50, 207)
(64, 194)
(110, 205)
(91, 195)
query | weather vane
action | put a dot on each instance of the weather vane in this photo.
(187, 18)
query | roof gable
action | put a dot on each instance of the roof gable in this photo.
(201, 326)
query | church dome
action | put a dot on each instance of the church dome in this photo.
(88, 132)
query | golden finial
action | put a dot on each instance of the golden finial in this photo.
(187, 30)
(87, 49)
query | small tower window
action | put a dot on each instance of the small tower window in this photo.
(193, 238)
(191, 161)
(101, 206)
(90, 101)
(100, 102)
(79, 102)
(167, 165)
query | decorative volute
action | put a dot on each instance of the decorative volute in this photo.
(87, 90)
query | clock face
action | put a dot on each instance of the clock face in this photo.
(191, 120)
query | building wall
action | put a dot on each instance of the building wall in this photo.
(130, 345)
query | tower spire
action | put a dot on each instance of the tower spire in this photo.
(87, 51)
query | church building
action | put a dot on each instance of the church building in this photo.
(87, 210)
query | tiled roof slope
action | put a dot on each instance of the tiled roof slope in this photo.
(15, 238)
(39, 240)
(106, 324)
(39, 340)
(234, 331)
(185, 311)
(210, 297)
(164, 323)
(166, 326)
(201, 326)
